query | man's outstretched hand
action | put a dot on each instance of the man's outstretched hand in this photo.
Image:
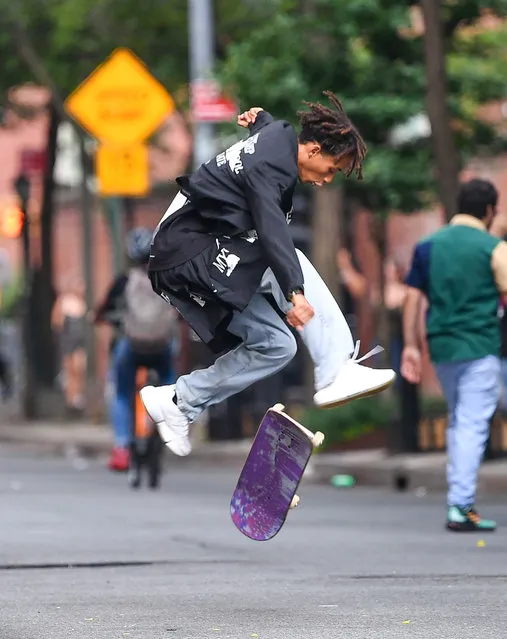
(411, 364)
(249, 117)
(301, 313)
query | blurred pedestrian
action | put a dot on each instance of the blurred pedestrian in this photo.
(69, 320)
(146, 330)
(395, 292)
(461, 270)
(356, 283)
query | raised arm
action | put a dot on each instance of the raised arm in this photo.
(255, 119)
(417, 281)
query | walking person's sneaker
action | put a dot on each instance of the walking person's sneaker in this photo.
(468, 520)
(119, 460)
(172, 425)
(354, 381)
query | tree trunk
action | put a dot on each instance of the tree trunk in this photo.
(326, 229)
(380, 314)
(111, 207)
(326, 226)
(93, 389)
(43, 293)
(444, 149)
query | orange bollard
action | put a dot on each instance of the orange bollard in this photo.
(141, 416)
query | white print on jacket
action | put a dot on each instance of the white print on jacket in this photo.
(198, 299)
(226, 261)
(233, 153)
(252, 236)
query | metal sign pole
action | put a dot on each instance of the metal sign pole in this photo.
(200, 22)
(87, 244)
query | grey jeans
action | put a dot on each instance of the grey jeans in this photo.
(472, 390)
(268, 345)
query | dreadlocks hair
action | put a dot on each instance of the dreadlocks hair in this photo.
(332, 129)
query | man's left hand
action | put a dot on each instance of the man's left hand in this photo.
(248, 117)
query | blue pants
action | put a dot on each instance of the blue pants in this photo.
(472, 391)
(503, 395)
(125, 365)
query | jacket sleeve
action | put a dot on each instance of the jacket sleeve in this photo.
(263, 193)
(263, 119)
(111, 307)
(418, 276)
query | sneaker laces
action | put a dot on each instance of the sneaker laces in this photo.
(355, 360)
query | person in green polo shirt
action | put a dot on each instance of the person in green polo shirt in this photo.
(462, 271)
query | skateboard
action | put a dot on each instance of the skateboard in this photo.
(266, 489)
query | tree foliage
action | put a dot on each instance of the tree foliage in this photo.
(73, 36)
(370, 53)
(280, 52)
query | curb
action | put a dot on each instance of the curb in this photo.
(91, 440)
(406, 472)
(372, 468)
(85, 440)
(376, 468)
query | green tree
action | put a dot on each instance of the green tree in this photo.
(368, 53)
(60, 42)
(73, 36)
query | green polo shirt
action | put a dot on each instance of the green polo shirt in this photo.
(461, 269)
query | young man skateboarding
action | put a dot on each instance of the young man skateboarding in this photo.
(224, 245)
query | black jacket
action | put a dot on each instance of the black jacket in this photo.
(247, 187)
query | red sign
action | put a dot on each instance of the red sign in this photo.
(210, 105)
(33, 162)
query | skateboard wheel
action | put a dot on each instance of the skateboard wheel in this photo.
(278, 407)
(318, 439)
(294, 502)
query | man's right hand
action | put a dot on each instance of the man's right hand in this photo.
(301, 313)
(411, 364)
(248, 117)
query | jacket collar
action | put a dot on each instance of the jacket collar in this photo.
(462, 219)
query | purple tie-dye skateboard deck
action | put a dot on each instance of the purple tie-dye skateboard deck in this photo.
(271, 474)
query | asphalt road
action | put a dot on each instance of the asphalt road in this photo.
(81, 555)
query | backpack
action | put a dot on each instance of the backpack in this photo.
(150, 322)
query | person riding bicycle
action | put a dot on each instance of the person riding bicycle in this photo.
(145, 333)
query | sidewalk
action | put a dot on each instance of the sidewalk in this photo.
(87, 439)
(406, 472)
(369, 468)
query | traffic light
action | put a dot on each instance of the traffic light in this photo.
(11, 221)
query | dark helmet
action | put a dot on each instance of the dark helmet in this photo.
(139, 244)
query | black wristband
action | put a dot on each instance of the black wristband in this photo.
(295, 291)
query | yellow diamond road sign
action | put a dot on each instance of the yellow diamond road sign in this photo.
(122, 170)
(120, 102)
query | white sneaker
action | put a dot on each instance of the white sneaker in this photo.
(354, 381)
(171, 423)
